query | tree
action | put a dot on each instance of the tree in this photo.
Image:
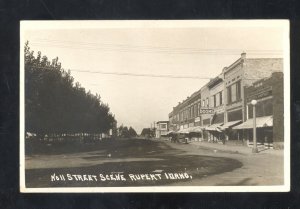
(55, 105)
(125, 132)
(132, 132)
(146, 132)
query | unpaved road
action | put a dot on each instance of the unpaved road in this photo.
(150, 162)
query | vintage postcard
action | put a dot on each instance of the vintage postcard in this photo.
(155, 106)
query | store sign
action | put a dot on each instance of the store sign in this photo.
(206, 111)
(197, 119)
(267, 91)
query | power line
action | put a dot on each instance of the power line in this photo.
(150, 75)
(145, 49)
(145, 46)
(141, 75)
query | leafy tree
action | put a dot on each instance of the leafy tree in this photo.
(125, 132)
(132, 132)
(146, 132)
(55, 105)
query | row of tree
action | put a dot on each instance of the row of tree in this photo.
(148, 132)
(54, 104)
(124, 131)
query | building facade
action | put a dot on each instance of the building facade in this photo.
(268, 93)
(186, 114)
(162, 128)
(222, 103)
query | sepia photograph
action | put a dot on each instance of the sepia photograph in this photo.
(155, 106)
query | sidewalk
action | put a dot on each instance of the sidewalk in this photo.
(234, 148)
(263, 168)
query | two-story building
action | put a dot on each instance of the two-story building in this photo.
(162, 128)
(216, 97)
(268, 93)
(238, 76)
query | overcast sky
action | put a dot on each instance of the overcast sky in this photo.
(176, 51)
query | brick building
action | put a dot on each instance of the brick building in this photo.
(216, 97)
(268, 93)
(220, 105)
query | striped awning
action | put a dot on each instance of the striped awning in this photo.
(261, 122)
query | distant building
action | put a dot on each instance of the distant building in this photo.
(162, 129)
(114, 130)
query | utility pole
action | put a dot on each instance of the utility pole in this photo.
(254, 149)
(154, 131)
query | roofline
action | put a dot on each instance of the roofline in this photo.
(162, 121)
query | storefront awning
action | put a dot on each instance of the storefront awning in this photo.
(194, 129)
(230, 124)
(214, 127)
(170, 132)
(261, 122)
(197, 129)
(184, 131)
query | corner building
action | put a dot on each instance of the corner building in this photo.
(268, 92)
(241, 74)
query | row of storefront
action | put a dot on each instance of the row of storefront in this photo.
(221, 111)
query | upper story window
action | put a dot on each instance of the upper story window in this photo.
(163, 126)
(234, 92)
(195, 110)
(207, 103)
(217, 99)
(221, 97)
(214, 102)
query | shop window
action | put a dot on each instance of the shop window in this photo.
(206, 121)
(235, 115)
(263, 108)
(218, 118)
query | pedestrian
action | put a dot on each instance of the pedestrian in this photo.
(186, 139)
(223, 138)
